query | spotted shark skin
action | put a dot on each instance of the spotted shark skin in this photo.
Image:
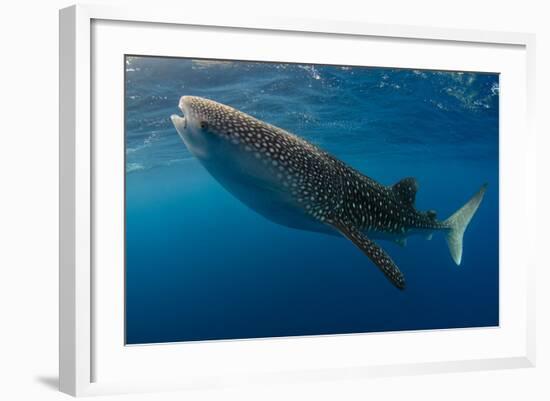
(294, 183)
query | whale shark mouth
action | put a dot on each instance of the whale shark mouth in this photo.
(180, 122)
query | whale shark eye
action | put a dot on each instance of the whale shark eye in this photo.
(204, 125)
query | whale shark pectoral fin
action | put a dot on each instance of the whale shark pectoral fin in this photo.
(376, 254)
(406, 190)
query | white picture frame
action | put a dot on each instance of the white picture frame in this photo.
(80, 162)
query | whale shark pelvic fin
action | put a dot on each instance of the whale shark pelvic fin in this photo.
(402, 242)
(376, 254)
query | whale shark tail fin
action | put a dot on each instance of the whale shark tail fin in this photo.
(458, 223)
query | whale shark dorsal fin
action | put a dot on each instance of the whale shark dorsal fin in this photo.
(376, 254)
(406, 190)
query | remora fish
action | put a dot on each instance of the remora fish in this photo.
(294, 183)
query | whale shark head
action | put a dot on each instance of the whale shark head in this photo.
(204, 125)
(272, 171)
(229, 143)
(212, 130)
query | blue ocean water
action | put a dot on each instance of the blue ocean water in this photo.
(200, 265)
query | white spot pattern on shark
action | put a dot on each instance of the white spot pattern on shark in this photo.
(293, 182)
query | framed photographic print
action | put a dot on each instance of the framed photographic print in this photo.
(277, 200)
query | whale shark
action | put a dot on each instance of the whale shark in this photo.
(293, 182)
